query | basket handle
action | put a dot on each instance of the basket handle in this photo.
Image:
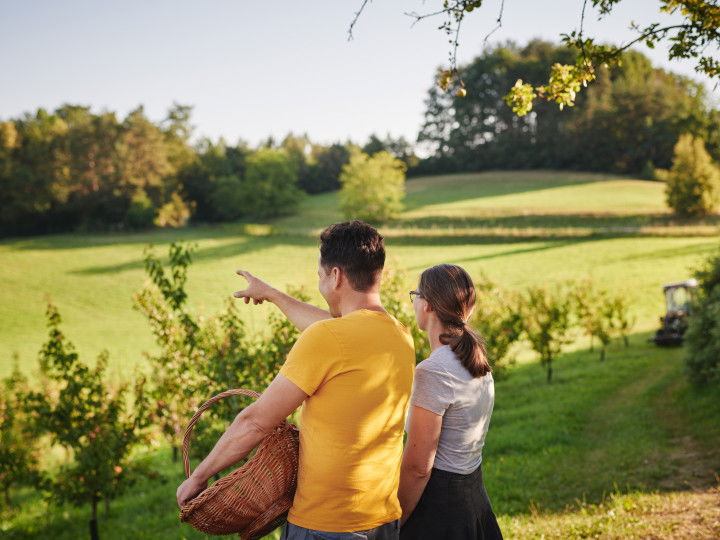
(196, 417)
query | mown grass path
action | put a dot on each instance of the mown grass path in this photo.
(637, 457)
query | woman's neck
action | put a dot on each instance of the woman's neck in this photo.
(434, 329)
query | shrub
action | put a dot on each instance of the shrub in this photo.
(140, 213)
(703, 334)
(227, 199)
(394, 296)
(269, 188)
(90, 420)
(200, 357)
(18, 444)
(693, 182)
(174, 213)
(546, 316)
(372, 187)
(175, 372)
(498, 319)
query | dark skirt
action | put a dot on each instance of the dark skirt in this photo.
(452, 507)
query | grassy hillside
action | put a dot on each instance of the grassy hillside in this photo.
(518, 228)
(617, 449)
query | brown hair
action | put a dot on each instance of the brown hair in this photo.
(451, 294)
(355, 247)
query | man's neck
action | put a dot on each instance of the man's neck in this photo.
(361, 300)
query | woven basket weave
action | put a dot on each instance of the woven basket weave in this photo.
(254, 499)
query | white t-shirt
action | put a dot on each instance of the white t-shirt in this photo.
(443, 386)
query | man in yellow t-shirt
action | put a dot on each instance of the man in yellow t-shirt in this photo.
(352, 367)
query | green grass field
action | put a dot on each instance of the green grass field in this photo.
(617, 449)
(517, 228)
(597, 454)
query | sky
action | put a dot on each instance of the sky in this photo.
(257, 69)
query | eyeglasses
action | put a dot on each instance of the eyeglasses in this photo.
(413, 294)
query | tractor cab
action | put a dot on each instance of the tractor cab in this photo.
(678, 305)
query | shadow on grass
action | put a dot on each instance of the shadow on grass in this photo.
(233, 249)
(599, 428)
(191, 233)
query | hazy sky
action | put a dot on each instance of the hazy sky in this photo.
(253, 69)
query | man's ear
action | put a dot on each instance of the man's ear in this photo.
(337, 276)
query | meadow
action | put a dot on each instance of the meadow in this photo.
(614, 449)
(516, 228)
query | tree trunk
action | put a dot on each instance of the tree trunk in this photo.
(107, 507)
(626, 340)
(602, 354)
(549, 373)
(93, 522)
(175, 454)
(592, 343)
(7, 495)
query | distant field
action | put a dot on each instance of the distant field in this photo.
(517, 228)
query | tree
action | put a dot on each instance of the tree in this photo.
(622, 321)
(212, 165)
(633, 114)
(546, 316)
(323, 174)
(702, 338)
(270, 185)
(695, 37)
(394, 297)
(88, 418)
(595, 312)
(690, 39)
(176, 369)
(19, 451)
(202, 356)
(372, 187)
(498, 318)
(693, 183)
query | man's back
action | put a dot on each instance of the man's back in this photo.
(358, 372)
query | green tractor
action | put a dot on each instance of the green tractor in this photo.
(678, 301)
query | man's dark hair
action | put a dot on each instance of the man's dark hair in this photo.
(357, 249)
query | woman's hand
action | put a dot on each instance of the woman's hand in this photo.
(190, 489)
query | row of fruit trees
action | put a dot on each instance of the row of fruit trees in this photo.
(98, 424)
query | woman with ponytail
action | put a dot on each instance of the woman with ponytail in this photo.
(441, 488)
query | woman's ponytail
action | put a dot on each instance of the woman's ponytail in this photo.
(451, 294)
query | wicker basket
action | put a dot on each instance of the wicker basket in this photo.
(254, 499)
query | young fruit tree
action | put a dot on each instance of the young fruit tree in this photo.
(595, 313)
(546, 317)
(499, 320)
(93, 421)
(393, 294)
(19, 450)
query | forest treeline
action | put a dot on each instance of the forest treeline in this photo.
(75, 169)
(627, 121)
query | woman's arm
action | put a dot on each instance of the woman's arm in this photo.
(418, 458)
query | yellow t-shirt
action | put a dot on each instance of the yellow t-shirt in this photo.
(357, 371)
